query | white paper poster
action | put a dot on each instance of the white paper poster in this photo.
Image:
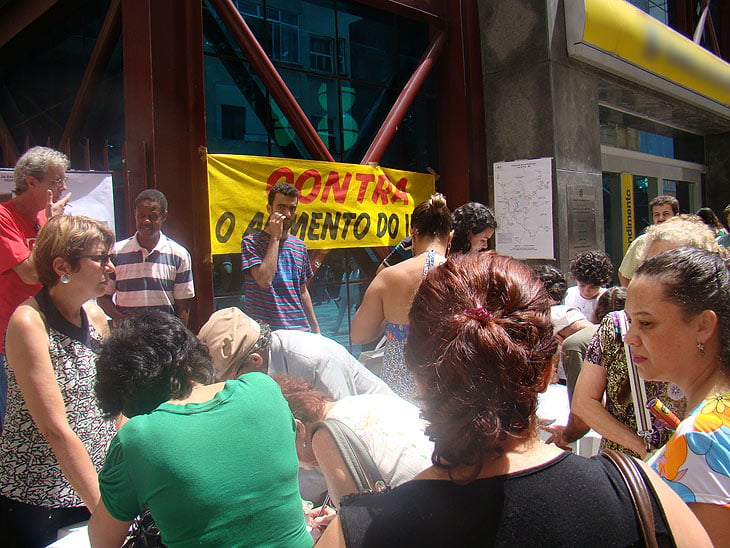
(523, 205)
(91, 194)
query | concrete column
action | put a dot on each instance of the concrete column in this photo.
(539, 103)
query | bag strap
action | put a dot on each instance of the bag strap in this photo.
(355, 455)
(644, 425)
(639, 492)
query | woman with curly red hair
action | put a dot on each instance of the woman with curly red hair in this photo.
(481, 349)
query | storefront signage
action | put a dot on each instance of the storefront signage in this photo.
(628, 219)
(340, 205)
(620, 38)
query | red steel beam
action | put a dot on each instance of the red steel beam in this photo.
(108, 36)
(405, 100)
(10, 149)
(272, 79)
(19, 15)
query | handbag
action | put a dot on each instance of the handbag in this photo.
(143, 533)
(355, 455)
(639, 492)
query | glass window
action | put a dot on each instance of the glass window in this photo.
(233, 122)
(622, 130)
(345, 63)
(658, 9)
(321, 53)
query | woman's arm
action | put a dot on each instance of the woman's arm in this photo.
(369, 321)
(332, 536)
(587, 405)
(105, 530)
(27, 355)
(686, 528)
(332, 466)
(715, 519)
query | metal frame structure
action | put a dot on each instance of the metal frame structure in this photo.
(164, 103)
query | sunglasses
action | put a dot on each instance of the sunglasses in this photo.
(103, 259)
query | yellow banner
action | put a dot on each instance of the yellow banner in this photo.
(340, 205)
(628, 219)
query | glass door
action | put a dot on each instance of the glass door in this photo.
(630, 181)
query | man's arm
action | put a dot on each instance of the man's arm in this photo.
(309, 309)
(264, 272)
(26, 272)
(107, 305)
(182, 309)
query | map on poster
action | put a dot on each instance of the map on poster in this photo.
(91, 194)
(523, 205)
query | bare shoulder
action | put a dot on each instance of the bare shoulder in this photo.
(27, 316)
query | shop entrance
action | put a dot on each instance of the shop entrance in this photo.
(630, 181)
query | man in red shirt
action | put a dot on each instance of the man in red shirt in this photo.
(40, 179)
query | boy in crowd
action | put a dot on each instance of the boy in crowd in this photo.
(592, 271)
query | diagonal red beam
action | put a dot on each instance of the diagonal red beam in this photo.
(18, 15)
(103, 49)
(272, 79)
(10, 149)
(405, 100)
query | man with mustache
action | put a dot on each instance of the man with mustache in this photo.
(276, 268)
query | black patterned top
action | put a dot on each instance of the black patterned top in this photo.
(29, 472)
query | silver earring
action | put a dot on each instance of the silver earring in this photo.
(304, 444)
(701, 348)
(65, 278)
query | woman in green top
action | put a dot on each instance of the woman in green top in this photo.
(215, 464)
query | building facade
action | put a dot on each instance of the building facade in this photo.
(144, 88)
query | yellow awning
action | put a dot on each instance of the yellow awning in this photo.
(618, 37)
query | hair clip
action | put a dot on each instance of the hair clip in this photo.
(479, 312)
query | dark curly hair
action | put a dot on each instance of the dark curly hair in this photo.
(471, 218)
(284, 189)
(481, 346)
(695, 280)
(592, 267)
(151, 358)
(306, 403)
(552, 280)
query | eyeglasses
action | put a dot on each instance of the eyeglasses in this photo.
(103, 259)
(58, 183)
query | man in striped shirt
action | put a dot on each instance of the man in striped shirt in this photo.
(276, 268)
(152, 272)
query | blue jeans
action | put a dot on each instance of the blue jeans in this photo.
(3, 391)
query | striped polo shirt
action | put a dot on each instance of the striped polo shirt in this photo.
(280, 305)
(144, 280)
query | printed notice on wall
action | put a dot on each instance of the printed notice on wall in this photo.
(523, 205)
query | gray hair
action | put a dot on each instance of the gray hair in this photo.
(36, 162)
(683, 230)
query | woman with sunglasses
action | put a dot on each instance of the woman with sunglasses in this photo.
(55, 439)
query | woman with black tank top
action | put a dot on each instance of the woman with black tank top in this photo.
(481, 348)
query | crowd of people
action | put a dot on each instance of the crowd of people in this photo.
(116, 410)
